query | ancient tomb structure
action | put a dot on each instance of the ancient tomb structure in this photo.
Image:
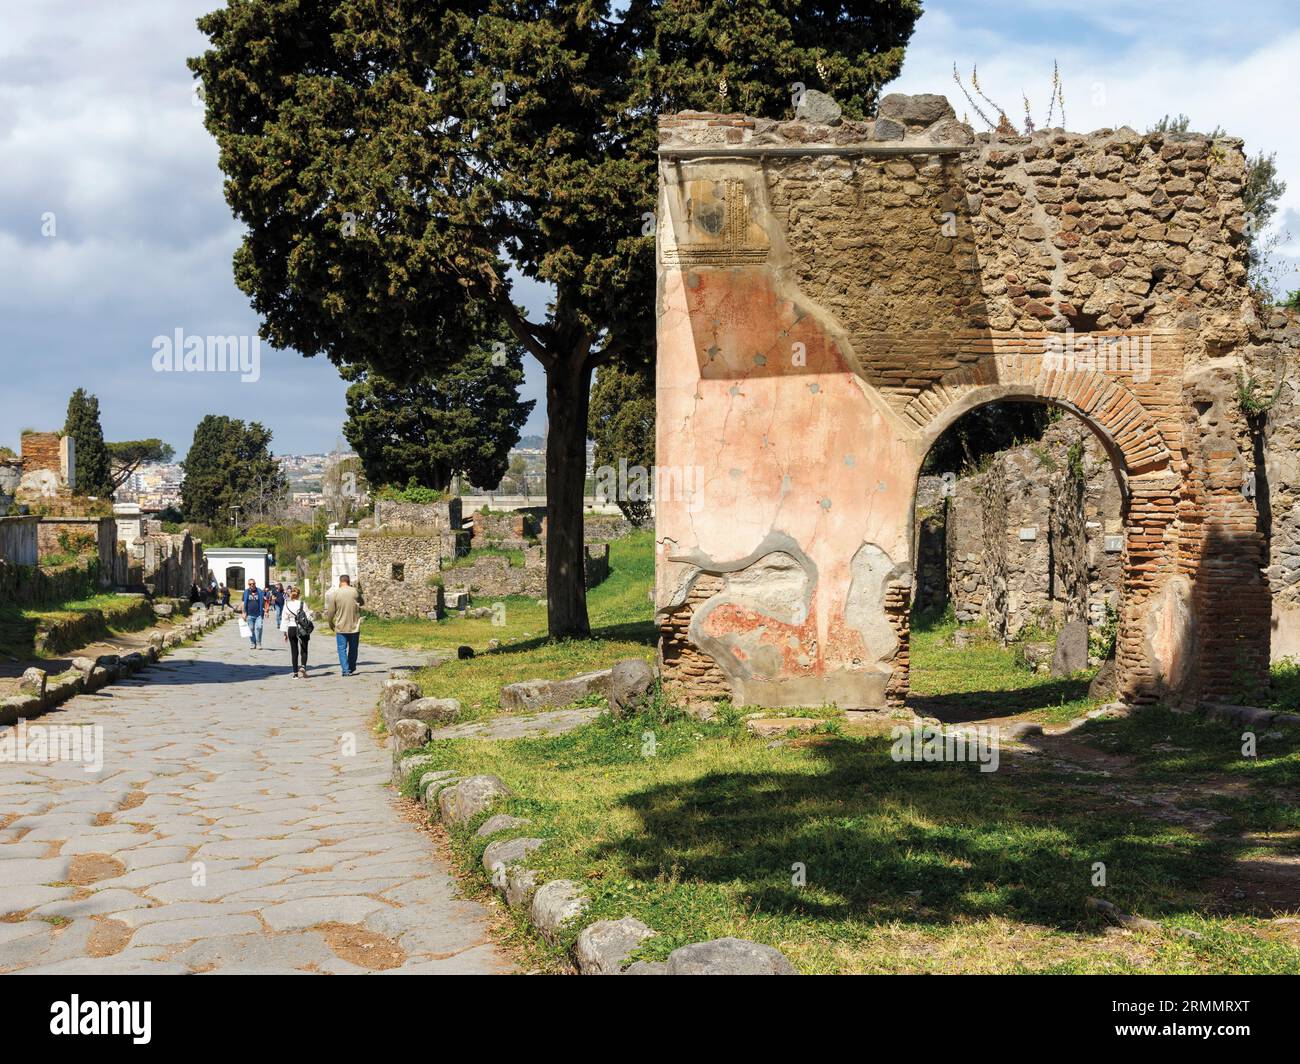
(832, 298)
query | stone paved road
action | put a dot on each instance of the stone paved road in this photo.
(227, 831)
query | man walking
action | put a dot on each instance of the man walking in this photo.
(343, 615)
(254, 608)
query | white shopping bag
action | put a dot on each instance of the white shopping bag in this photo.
(244, 630)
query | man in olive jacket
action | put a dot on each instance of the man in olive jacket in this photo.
(343, 615)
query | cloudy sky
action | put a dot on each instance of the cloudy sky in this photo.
(113, 230)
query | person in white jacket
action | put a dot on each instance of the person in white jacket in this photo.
(295, 612)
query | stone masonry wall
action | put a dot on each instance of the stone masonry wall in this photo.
(1034, 588)
(832, 298)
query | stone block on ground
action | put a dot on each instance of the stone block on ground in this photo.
(500, 822)
(631, 686)
(506, 852)
(393, 696)
(1071, 653)
(521, 885)
(554, 905)
(728, 956)
(469, 797)
(432, 710)
(33, 682)
(602, 947)
(1104, 684)
(528, 696)
(410, 733)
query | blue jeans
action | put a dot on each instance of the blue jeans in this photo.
(348, 644)
(255, 630)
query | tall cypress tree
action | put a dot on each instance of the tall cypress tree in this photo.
(93, 471)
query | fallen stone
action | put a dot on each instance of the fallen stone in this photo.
(529, 696)
(469, 797)
(82, 664)
(554, 905)
(631, 686)
(500, 822)
(602, 947)
(728, 956)
(163, 609)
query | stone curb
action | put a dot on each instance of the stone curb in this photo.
(87, 676)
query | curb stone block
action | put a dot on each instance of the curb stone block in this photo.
(554, 905)
(521, 885)
(500, 822)
(602, 947)
(470, 797)
(504, 853)
(728, 956)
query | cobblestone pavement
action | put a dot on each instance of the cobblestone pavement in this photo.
(230, 829)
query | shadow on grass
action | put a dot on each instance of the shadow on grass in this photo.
(912, 842)
(959, 707)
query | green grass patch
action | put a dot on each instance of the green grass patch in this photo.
(984, 679)
(23, 629)
(619, 608)
(700, 830)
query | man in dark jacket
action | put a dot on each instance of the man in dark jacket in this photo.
(255, 603)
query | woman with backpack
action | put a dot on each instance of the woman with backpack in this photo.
(297, 626)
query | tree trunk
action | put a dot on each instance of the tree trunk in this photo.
(568, 392)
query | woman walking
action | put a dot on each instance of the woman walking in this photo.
(296, 624)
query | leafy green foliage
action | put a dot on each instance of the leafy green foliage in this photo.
(622, 424)
(428, 430)
(229, 464)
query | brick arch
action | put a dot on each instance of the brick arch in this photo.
(1149, 480)
(1104, 403)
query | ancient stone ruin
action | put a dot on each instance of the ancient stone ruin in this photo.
(831, 298)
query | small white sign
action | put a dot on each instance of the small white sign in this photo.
(1028, 533)
(1114, 544)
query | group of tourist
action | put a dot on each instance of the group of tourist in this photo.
(212, 594)
(294, 621)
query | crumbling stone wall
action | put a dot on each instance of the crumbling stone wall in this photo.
(508, 529)
(493, 576)
(831, 298)
(400, 554)
(398, 572)
(950, 558)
